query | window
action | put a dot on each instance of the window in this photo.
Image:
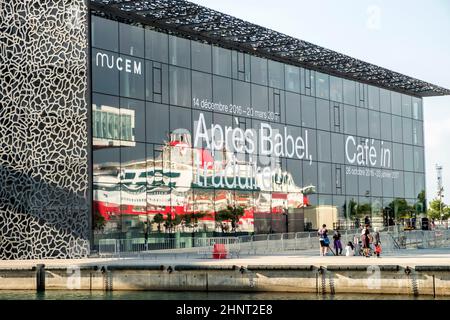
(309, 173)
(323, 146)
(385, 100)
(408, 158)
(241, 66)
(260, 98)
(157, 122)
(407, 131)
(179, 52)
(406, 106)
(258, 70)
(323, 114)
(307, 83)
(131, 40)
(399, 186)
(417, 138)
(222, 90)
(276, 74)
(241, 93)
(337, 148)
(201, 56)
(337, 116)
(221, 61)
(132, 77)
(374, 98)
(376, 186)
(397, 129)
(363, 122)
(104, 78)
(388, 186)
(417, 108)
(132, 113)
(386, 126)
(180, 118)
(349, 92)
(157, 82)
(324, 177)
(349, 119)
(398, 156)
(363, 184)
(336, 89)
(105, 33)
(374, 124)
(337, 182)
(351, 182)
(180, 86)
(322, 85)
(419, 182)
(156, 46)
(201, 87)
(396, 103)
(361, 95)
(419, 165)
(292, 78)
(308, 113)
(292, 108)
(294, 167)
(101, 106)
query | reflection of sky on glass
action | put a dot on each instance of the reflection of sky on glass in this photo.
(410, 37)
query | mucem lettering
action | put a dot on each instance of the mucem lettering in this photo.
(105, 60)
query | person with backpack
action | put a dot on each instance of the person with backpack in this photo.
(337, 242)
(323, 240)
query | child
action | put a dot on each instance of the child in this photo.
(378, 249)
(349, 249)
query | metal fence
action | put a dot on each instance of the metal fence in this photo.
(392, 240)
(218, 247)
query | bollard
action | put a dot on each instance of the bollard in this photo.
(40, 277)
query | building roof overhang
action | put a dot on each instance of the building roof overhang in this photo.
(200, 23)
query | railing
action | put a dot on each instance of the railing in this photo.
(392, 240)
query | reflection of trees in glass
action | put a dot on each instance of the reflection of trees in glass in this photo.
(99, 221)
(421, 202)
(190, 220)
(172, 222)
(401, 208)
(158, 219)
(364, 209)
(233, 214)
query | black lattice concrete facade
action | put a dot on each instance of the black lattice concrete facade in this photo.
(44, 129)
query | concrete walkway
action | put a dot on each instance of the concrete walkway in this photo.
(403, 258)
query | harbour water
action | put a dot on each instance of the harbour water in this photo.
(193, 295)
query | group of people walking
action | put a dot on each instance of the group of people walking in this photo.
(365, 245)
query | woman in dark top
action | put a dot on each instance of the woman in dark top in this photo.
(365, 239)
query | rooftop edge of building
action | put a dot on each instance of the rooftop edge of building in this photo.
(200, 23)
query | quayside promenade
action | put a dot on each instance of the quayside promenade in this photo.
(411, 272)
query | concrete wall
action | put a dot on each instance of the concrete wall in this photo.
(305, 279)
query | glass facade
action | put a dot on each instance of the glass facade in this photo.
(182, 127)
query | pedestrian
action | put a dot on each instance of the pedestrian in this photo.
(376, 236)
(337, 242)
(365, 239)
(349, 249)
(323, 240)
(378, 249)
(356, 243)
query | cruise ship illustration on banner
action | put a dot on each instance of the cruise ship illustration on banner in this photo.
(182, 179)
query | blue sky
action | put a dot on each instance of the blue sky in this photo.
(410, 37)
